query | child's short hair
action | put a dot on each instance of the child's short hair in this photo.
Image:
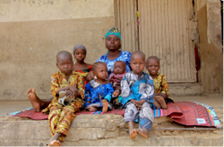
(120, 62)
(96, 64)
(154, 58)
(138, 53)
(79, 46)
(63, 54)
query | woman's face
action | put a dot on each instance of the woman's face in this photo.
(113, 43)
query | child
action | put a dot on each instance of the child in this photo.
(160, 82)
(71, 84)
(98, 92)
(79, 53)
(115, 78)
(136, 96)
(83, 69)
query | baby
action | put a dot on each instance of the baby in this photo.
(137, 96)
(115, 78)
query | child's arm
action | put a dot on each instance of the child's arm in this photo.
(110, 91)
(164, 87)
(125, 88)
(148, 94)
(79, 87)
(55, 86)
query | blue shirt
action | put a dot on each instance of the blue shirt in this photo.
(124, 56)
(137, 88)
(96, 92)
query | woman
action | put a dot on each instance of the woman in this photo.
(113, 44)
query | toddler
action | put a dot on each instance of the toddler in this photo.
(160, 82)
(137, 96)
(98, 92)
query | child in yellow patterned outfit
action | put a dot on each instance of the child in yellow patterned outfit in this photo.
(160, 82)
(62, 114)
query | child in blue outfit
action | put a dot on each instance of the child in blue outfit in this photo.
(98, 92)
(136, 96)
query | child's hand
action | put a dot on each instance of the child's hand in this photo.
(141, 102)
(69, 93)
(90, 76)
(74, 91)
(116, 93)
(105, 105)
(138, 103)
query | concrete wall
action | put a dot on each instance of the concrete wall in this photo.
(32, 32)
(210, 47)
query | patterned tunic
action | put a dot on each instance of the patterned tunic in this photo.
(61, 117)
(125, 56)
(96, 92)
(115, 79)
(137, 88)
(161, 84)
(58, 81)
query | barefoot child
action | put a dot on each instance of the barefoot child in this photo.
(98, 92)
(160, 82)
(137, 96)
(71, 84)
(115, 78)
(83, 69)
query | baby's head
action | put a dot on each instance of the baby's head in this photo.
(137, 62)
(119, 67)
(64, 62)
(153, 65)
(100, 70)
(79, 53)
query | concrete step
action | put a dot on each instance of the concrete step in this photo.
(185, 89)
(108, 129)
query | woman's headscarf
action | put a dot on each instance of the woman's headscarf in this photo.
(113, 31)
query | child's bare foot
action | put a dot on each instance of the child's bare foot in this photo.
(35, 101)
(132, 132)
(54, 140)
(105, 105)
(55, 143)
(91, 109)
(143, 133)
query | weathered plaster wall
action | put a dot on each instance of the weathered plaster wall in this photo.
(210, 48)
(32, 32)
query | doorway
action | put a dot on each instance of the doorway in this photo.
(163, 28)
